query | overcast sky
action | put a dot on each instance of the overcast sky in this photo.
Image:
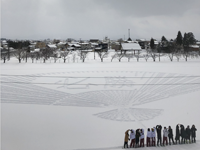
(89, 19)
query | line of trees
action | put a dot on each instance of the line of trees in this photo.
(180, 47)
(174, 48)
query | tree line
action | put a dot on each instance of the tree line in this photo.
(177, 48)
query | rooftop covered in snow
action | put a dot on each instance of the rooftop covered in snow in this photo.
(131, 46)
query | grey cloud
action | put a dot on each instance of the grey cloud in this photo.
(38, 19)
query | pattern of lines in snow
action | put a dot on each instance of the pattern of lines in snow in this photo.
(28, 94)
(99, 99)
(130, 114)
(137, 95)
(152, 89)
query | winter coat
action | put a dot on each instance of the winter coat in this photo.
(153, 133)
(183, 134)
(137, 135)
(165, 133)
(126, 136)
(170, 131)
(177, 133)
(149, 134)
(132, 135)
(188, 132)
(142, 134)
(159, 129)
(193, 131)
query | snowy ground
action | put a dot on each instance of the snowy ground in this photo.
(90, 105)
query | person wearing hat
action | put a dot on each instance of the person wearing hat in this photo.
(126, 139)
(132, 138)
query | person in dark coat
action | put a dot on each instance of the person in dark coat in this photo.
(188, 133)
(177, 138)
(170, 135)
(159, 129)
(183, 134)
(137, 138)
(193, 133)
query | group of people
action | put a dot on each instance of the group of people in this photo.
(136, 137)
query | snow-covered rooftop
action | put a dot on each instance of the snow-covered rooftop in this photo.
(94, 43)
(194, 46)
(52, 45)
(36, 50)
(76, 45)
(131, 46)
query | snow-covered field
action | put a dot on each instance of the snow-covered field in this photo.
(65, 106)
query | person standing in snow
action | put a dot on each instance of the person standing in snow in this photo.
(148, 137)
(193, 133)
(188, 132)
(170, 135)
(132, 137)
(159, 129)
(182, 134)
(165, 135)
(126, 139)
(153, 136)
(137, 137)
(177, 138)
(142, 138)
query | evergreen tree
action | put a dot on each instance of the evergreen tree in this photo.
(163, 39)
(188, 40)
(179, 38)
(152, 45)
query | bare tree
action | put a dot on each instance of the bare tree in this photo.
(137, 55)
(115, 55)
(177, 54)
(153, 54)
(146, 56)
(19, 54)
(102, 54)
(46, 53)
(55, 56)
(4, 55)
(83, 54)
(32, 56)
(64, 54)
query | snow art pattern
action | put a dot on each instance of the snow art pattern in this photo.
(119, 90)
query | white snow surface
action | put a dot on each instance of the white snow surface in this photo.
(90, 105)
